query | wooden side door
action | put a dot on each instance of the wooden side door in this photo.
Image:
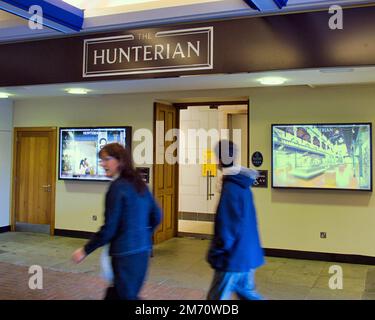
(34, 176)
(165, 183)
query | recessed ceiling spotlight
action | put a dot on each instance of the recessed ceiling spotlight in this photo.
(336, 70)
(77, 91)
(272, 81)
(4, 95)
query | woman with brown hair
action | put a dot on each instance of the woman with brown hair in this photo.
(131, 216)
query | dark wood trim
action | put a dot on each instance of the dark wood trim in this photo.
(211, 104)
(5, 229)
(74, 233)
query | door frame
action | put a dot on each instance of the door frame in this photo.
(185, 105)
(175, 232)
(53, 157)
(216, 105)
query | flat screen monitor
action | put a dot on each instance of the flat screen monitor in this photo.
(322, 156)
(79, 148)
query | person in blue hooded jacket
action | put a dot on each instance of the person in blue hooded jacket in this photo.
(131, 217)
(235, 251)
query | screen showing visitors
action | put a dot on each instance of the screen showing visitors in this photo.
(79, 149)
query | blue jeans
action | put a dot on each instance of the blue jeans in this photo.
(240, 283)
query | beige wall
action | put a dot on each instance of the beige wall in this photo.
(288, 219)
(6, 114)
(293, 219)
(78, 201)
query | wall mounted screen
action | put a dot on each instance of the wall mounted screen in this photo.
(79, 148)
(322, 156)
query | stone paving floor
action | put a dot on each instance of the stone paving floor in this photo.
(178, 271)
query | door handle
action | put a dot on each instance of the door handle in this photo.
(210, 185)
(48, 187)
(207, 186)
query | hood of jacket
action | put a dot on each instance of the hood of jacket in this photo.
(242, 176)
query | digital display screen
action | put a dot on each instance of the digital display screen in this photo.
(79, 149)
(322, 156)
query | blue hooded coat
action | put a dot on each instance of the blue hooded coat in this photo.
(236, 245)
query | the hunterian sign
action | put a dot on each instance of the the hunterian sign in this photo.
(147, 52)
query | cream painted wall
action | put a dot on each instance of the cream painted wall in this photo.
(6, 115)
(293, 219)
(287, 219)
(78, 201)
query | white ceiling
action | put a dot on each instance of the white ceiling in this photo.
(125, 14)
(323, 77)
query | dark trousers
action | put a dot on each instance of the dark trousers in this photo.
(129, 275)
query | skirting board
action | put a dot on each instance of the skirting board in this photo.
(74, 233)
(5, 229)
(281, 253)
(305, 255)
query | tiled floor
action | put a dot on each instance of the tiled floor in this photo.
(178, 271)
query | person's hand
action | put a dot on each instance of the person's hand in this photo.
(79, 255)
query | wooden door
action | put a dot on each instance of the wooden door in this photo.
(165, 174)
(239, 121)
(34, 176)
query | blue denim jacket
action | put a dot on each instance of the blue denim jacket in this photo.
(130, 220)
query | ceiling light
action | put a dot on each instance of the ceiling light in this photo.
(336, 70)
(77, 91)
(272, 81)
(4, 95)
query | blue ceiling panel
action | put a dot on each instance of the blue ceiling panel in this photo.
(264, 5)
(57, 14)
